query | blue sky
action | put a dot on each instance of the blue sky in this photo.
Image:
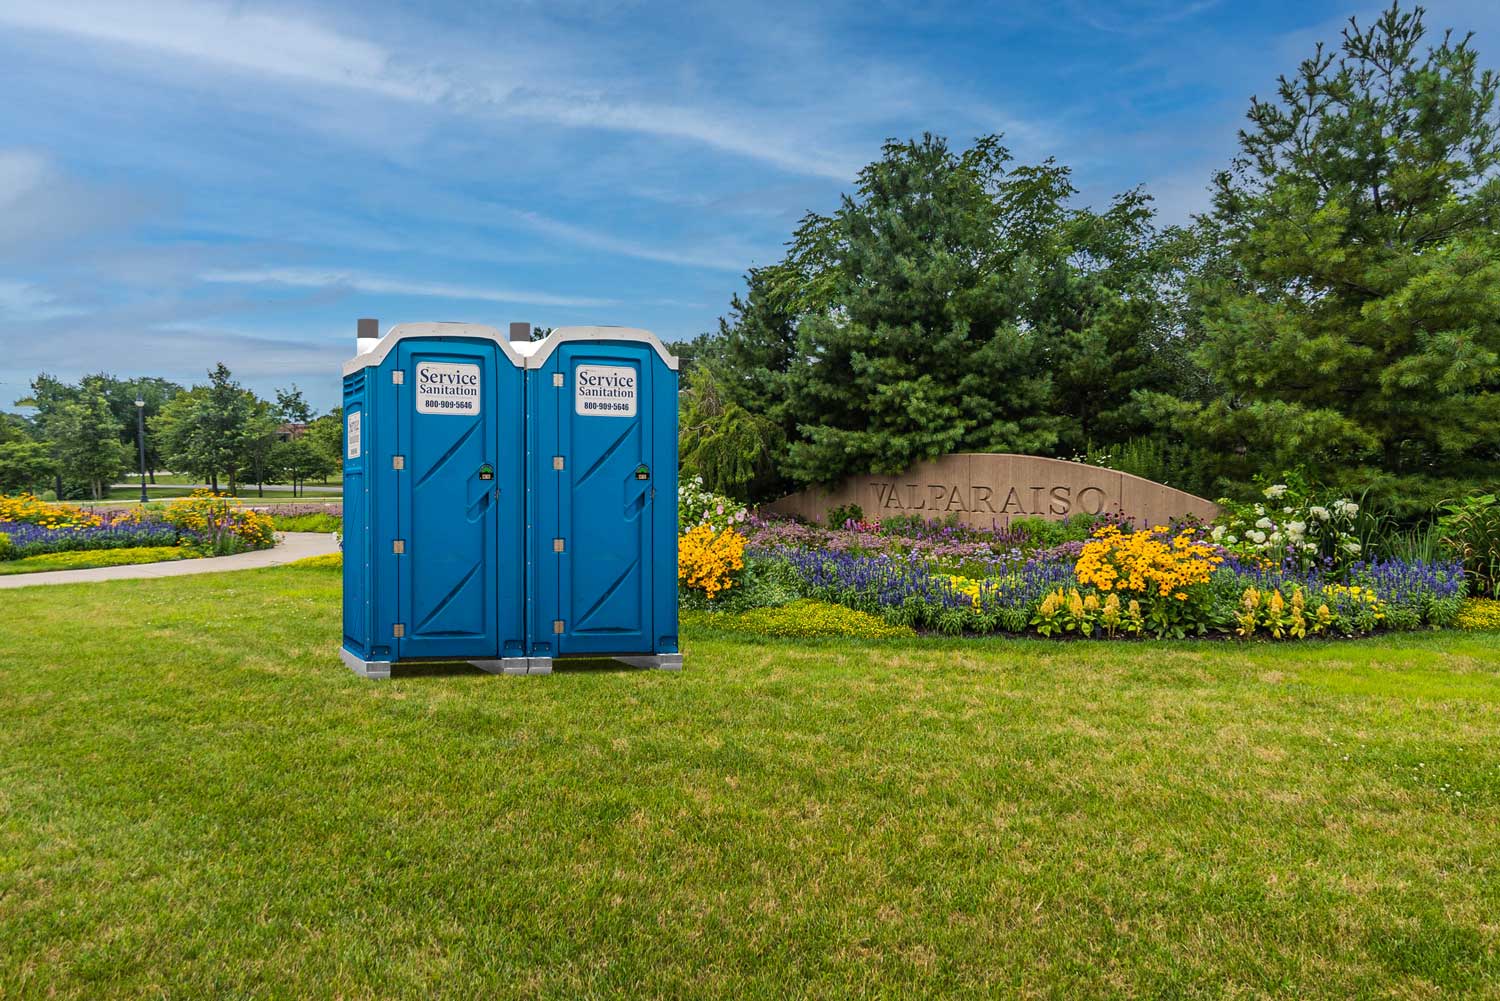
(188, 181)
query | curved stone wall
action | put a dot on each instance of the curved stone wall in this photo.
(985, 489)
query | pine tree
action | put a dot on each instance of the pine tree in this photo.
(1355, 324)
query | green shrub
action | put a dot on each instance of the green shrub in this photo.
(765, 582)
(7, 551)
(1472, 528)
(1479, 613)
(807, 619)
(1043, 534)
(838, 516)
(308, 522)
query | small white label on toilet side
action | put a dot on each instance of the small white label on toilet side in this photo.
(353, 435)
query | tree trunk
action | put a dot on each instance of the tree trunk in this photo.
(213, 482)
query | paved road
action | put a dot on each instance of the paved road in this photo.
(293, 546)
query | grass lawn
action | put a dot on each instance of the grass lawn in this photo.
(181, 479)
(83, 559)
(332, 491)
(269, 500)
(198, 800)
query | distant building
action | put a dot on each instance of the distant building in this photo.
(290, 432)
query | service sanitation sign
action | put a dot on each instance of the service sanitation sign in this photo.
(447, 389)
(604, 391)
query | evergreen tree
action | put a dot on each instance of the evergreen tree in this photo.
(732, 449)
(910, 302)
(1353, 324)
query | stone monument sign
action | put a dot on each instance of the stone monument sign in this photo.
(985, 489)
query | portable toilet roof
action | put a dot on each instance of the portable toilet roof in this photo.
(523, 354)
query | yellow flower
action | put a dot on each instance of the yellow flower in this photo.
(707, 560)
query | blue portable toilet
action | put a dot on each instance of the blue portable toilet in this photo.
(497, 515)
(601, 438)
(434, 499)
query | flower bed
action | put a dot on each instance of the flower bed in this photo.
(1089, 577)
(30, 526)
(203, 523)
(1150, 582)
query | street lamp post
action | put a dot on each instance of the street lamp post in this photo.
(140, 440)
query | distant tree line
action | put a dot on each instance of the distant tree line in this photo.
(1337, 309)
(76, 439)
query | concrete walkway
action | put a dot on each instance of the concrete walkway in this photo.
(290, 546)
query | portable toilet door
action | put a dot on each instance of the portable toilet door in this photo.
(447, 510)
(602, 438)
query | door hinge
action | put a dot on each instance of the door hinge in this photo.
(398, 462)
(398, 377)
(557, 379)
(398, 630)
(557, 545)
(398, 546)
(557, 625)
(557, 462)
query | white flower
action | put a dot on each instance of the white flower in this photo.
(1217, 533)
(1352, 547)
(1287, 510)
(1319, 512)
(1295, 530)
(1256, 537)
(1265, 523)
(1260, 509)
(1308, 547)
(1231, 539)
(1275, 490)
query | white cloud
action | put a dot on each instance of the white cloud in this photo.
(379, 285)
(584, 237)
(20, 301)
(21, 171)
(713, 129)
(42, 206)
(273, 44)
(301, 50)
